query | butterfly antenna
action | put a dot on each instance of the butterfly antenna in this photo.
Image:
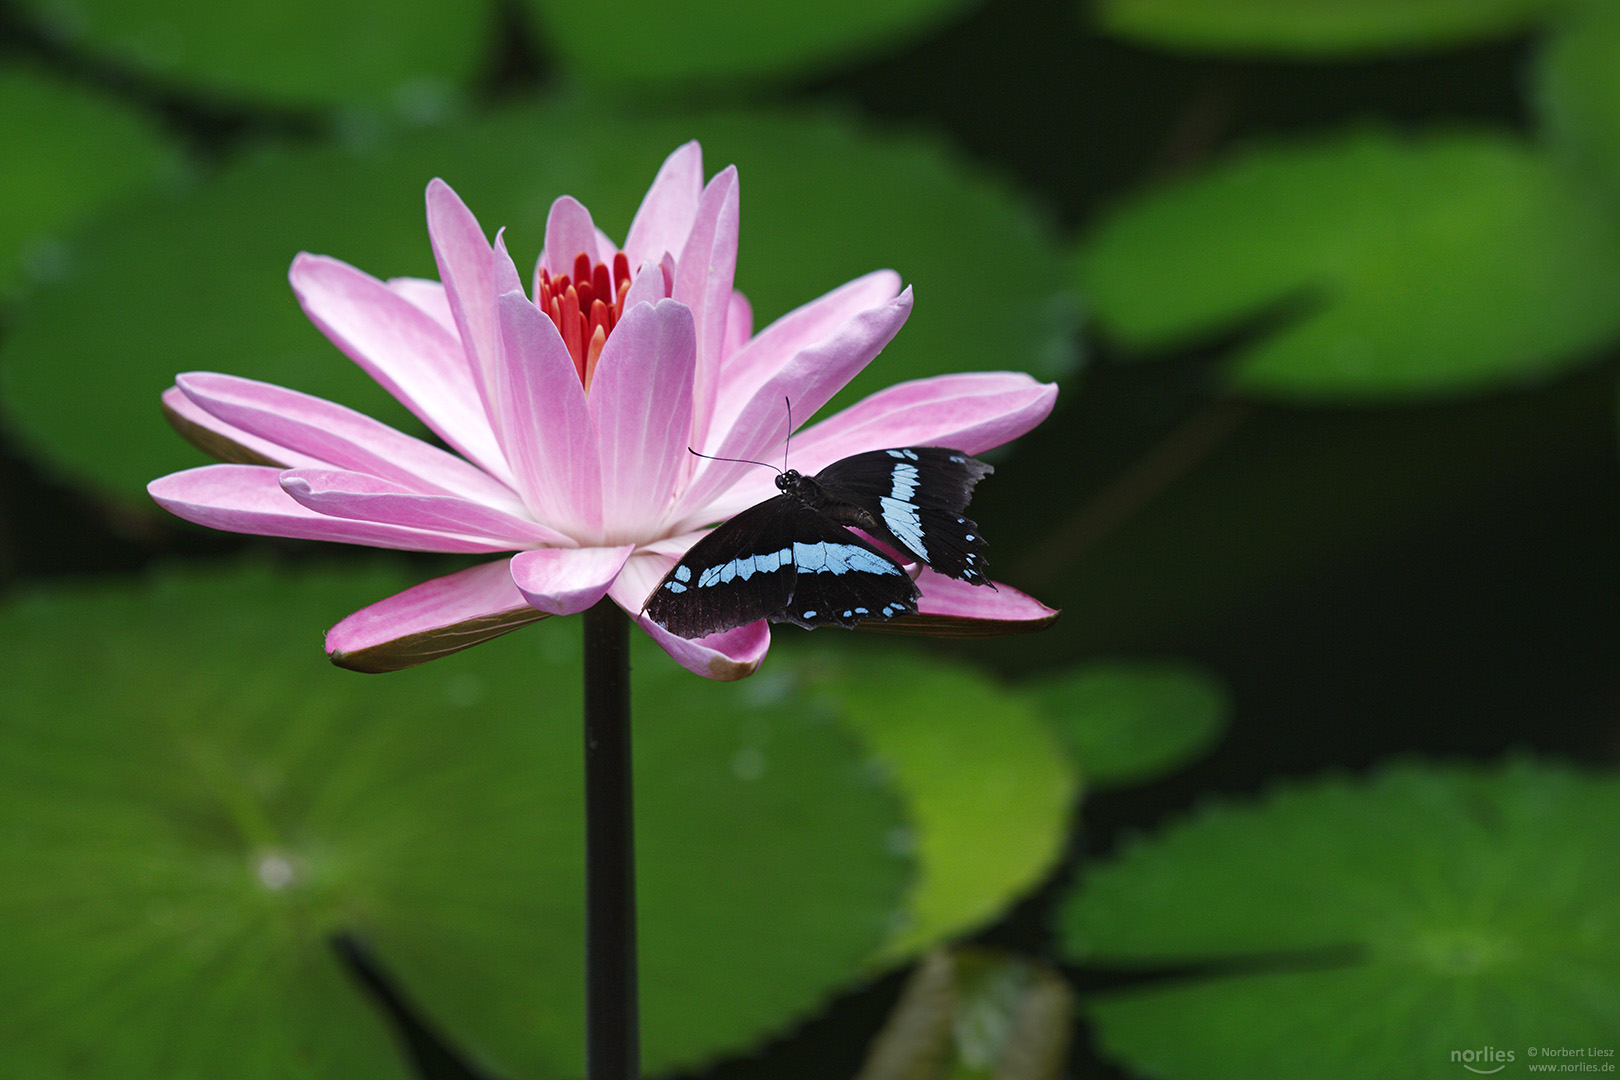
(789, 403)
(750, 461)
(738, 460)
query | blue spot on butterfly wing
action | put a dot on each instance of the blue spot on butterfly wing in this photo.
(829, 557)
(840, 579)
(809, 558)
(902, 520)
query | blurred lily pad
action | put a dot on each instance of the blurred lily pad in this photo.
(1389, 268)
(405, 55)
(195, 801)
(1314, 28)
(1577, 87)
(1127, 721)
(1369, 929)
(202, 279)
(706, 40)
(988, 787)
(69, 154)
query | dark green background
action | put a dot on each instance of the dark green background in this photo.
(1418, 563)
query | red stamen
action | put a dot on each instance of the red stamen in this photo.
(621, 278)
(585, 307)
(569, 324)
(593, 353)
(601, 319)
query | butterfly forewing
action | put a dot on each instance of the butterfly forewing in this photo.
(781, 560)
(913, 498)
(732, 577)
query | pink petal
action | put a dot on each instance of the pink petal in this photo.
(566, 581)
(553, 443)
(431, 620)
(319, 432)
(641, 405)
(725, 657)
(466, 266)
(223, 441)
(649, 285)
(403, 348)
(955, 608)
(427, 295)
(971, 412)
(249, 499)
(807, 380)
(703, 279)
(602, 250)
(665, 216)
(364, 497)
(569, 232)
(777, 345)
(505, 274)
(739, 328)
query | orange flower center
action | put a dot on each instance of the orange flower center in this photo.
(585, 307)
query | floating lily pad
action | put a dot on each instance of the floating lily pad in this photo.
(1577, 87)
(195, 801)
(69, 154)
(714, 39)
(405, 54)
(1128, 721)
(1376, 267)
(988, 786)
(1314, 28)
(201, 280)
(1370, 929)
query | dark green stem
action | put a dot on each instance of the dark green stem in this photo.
(612, 1036)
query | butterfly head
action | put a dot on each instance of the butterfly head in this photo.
(788, 479)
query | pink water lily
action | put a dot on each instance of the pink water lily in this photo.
(570, 409)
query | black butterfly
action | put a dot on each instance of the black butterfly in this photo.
(789, 559)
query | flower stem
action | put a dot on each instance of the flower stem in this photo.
(612, 1037)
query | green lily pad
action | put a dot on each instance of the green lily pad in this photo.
(1128, 721)
(987, 785)
(202, 279)
(1370, 929)
(1314, 28)
(69, 154)
(195, 801)
(714, 39)
(1396, 268)
(406, 55)
(1577, 87)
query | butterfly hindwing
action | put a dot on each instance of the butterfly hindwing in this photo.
(841, 579)
(913, 498)
(782, 560)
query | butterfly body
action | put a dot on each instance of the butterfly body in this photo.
(792, 559)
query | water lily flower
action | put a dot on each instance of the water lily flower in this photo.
(569, 410)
